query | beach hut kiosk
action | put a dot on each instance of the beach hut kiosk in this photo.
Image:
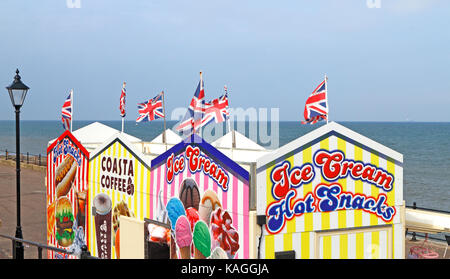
(119, 183)
(331, 193)
(196, 183)
(67, 185)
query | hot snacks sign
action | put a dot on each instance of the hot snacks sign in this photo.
(204, 197)
(67, 187)
(328, 196)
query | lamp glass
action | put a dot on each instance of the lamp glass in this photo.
(17, 96)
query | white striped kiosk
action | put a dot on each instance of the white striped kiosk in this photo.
(331, 194)
(217, 189)
(67, 185)
(119, 185)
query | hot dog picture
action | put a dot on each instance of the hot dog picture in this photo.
(64, 176)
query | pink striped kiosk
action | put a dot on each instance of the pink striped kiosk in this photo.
(204, 196)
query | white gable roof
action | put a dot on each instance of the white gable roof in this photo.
(96, 133)
(171, 138)
(125, 142)
(242, 142)
(332, 126)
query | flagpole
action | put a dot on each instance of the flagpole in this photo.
(201, 105)
(326, 90)
(164, 112)
(123, 117)
(228, 120)
(71, 118)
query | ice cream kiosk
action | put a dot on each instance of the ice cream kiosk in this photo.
(67, 185)
(331, 193)
(119, 183)
(204, 198)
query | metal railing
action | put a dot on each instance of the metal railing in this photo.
(85, 254)
(35, 159)
(414, 234)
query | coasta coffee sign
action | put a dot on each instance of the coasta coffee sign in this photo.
(117, 174)
(328, 195)
(196, 162)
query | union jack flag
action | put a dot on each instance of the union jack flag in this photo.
(192, 120)
(151, 110)
(67, 112)
(316, 107)
(122, 101)
(216, 110)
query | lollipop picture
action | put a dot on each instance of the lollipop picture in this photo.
(223, 233)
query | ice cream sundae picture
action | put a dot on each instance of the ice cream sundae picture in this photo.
(200, 226)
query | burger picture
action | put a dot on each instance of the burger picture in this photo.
(64, 222)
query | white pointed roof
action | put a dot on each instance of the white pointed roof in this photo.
(94, 134)
(242, 142)
(321, 131)
(245, 150)
(156, 147)
(124, 141)
(171, 137)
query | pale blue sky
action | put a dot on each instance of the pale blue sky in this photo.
(384, 64)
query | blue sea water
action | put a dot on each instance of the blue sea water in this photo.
(425, 148)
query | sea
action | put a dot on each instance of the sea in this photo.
(425, 147)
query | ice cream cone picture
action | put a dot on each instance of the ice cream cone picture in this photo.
(189, 194)
(218, 254)
(175, 209)
(202, 240)
(183, 237)
(193, 217)
(208, 204)
(173, 248)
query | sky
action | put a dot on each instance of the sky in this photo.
(386, 60)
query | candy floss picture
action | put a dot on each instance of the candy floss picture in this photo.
(204, 196)
(67, 184)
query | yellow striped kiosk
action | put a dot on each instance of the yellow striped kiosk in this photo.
(119, 183)
(331, 194)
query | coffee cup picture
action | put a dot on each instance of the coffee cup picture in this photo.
(103, 205)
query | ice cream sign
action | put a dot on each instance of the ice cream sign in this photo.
(196, 162)
(329, 195)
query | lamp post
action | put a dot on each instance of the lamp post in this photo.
(17, 92)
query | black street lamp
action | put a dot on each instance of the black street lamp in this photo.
(17, 92)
